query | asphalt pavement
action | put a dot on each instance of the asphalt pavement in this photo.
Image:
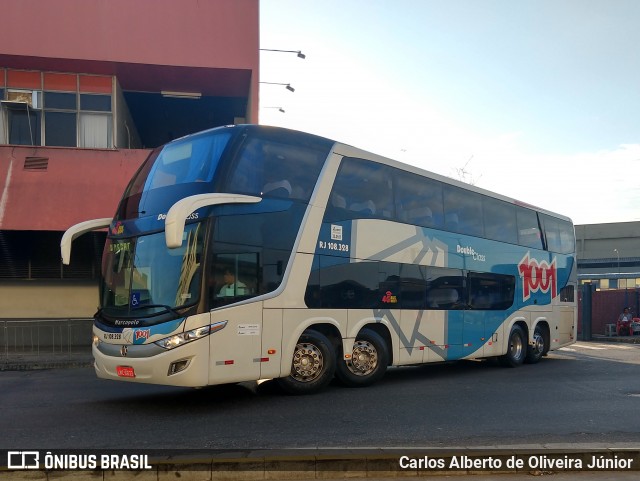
(379, 464)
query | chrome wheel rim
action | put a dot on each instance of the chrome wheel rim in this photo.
(364, 358)
(516, 347)
(538, 343)
(307, 362)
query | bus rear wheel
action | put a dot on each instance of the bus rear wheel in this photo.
(313, 364)
(536, 350)
(368, 363)
(517, 348)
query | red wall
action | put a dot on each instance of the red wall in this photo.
(78, 185)
(107, 34)
(205, 33)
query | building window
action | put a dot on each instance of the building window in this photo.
(96, 131)
(60, 129)
(23, 125)
(60, 101)
(74, 110)
(96, 126)
(99, 103)
(32, 255)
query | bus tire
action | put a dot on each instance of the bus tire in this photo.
(536, 350)
(516, 349)
(313, 364)
(368, 363)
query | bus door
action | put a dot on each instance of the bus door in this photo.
(235, 351)
(446, 298)
(482, 331)
(489, 297)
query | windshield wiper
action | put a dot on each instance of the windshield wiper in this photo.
(168, 308)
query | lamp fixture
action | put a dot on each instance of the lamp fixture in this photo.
(287, 86)
(181, 95)
(298, 52)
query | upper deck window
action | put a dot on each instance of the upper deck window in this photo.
(362, 189)
(559, 234)
(179, 169)
(274, 168)
(190, 160)
(366, 189)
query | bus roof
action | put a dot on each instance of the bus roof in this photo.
(350, 151)
(347, 150)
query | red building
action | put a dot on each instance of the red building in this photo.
(87, 87)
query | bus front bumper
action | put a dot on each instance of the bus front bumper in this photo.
(186, 365)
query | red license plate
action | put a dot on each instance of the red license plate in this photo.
(125, 371)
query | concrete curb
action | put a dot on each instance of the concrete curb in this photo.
(28, 361)
(616, 339)
(369, 463)
(44, 364)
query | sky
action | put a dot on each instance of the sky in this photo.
(538, 100)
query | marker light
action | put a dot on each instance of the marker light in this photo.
(189, 336)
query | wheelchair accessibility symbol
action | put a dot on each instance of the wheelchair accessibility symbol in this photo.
(135, 299)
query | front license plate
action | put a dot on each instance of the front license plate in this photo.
(125, 371)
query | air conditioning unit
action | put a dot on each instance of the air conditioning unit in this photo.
(30, 98)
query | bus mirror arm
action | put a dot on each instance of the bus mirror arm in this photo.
(178, 213)
(77, 230)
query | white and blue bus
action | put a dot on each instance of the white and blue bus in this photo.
(251, 252)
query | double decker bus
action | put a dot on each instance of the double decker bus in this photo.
(250, 252)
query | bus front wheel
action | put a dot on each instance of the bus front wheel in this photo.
(313, 364)
(517, 348)
(368, 362)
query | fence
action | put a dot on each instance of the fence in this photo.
(46, 338)
(607, 305)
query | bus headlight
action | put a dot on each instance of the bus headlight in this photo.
(185, 337)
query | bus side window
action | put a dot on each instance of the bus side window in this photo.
(362, 189)
(500, 220)
(528, 230)
(445, 288)
(232, 277)
(418, 200)
(559, 234)
(489, 291)
(463, 211)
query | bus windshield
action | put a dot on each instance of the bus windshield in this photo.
(142, 277)
(181, 168)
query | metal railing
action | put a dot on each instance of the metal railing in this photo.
(35, 339)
